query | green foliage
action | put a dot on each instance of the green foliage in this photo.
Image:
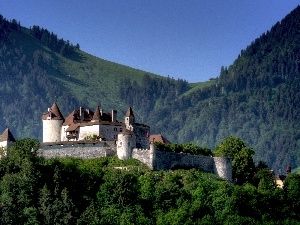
(76, 191)
(91, 137)
(292, 193)
(190, 148)
(243, 167)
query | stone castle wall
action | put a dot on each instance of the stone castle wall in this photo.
(171, 160)
(155, 160)
(77, 150)
(144, 156)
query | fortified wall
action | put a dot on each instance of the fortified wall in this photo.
(155, 160)
(77, 149)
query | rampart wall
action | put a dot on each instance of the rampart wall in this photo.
(155, 160)
(144, 156)
(78, 150)
(170, 160)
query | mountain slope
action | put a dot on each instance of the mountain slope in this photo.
(257, 99)
(37, 68)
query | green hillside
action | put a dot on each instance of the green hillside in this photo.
(37, 68)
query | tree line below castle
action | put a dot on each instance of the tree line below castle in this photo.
(74, 191)
(256, 98)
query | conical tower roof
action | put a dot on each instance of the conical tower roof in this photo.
(129, 112)
(7, 136)
(56, 112)
(97, 115)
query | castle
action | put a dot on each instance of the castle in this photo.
(87, 134)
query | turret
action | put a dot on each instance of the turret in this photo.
(126, 142)
(129, 119)
(52, 123)
(223, 167)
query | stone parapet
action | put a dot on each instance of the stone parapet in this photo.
(84, 151)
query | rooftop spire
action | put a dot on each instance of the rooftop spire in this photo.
(7, 136)
(56, 112)
(129, 112)
(97, 114)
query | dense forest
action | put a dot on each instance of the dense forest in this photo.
(256, 98)
(75, 191)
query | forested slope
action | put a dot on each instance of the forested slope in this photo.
(257, 99)
(37, 68)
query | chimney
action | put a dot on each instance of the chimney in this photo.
(101, 112)
(81, 113)
(113, 115)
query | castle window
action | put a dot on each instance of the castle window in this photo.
(121, 129)
(121, 143)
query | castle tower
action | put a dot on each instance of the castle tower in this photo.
(223, 167)
(126, 142)
(129, 119)
(52, 123)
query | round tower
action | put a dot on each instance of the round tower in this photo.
(126, 142)
(223, 167)
(52, 123)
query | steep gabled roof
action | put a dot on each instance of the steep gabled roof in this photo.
(129, 112)
(73, 117)
(56, 114)
(53, 113)
(97, 115)
(7, 136)
(73, 127)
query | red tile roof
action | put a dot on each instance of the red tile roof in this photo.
(73, 127)
(159, 138)
(54, 113)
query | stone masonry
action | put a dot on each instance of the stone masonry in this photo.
(155, 160)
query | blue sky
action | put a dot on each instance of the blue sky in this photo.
(186, 39)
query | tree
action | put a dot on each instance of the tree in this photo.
(243, 167)
(292, 193)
